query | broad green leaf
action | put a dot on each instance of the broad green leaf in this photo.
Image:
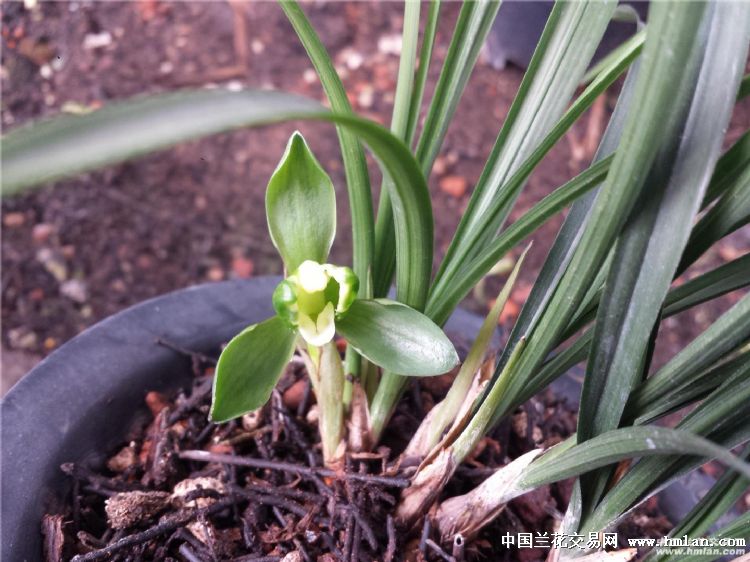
(66, 145)
(648, 249)
(668, 47)
(624, 443)
(249, 368)
(355, 165)
(397, 338)
(301, 206)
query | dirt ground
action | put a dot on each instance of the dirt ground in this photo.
(81, 249)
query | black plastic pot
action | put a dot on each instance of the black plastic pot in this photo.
(79, 403)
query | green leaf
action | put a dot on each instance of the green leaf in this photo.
(744, 89)
(425, 57)
(397, 338)
(704, 287)
(728, 169)
(473, 24)
(731, 212)
(736, 529)
(385, 239)
(722, 417)
(725, 278)
(446, 411)
(736, 369)
(719, 499)
(249, 368)
(355, 165)
(648, 250)
(616, 53)
(618, 444)
(561, 252)
(444, 297)
(668, 46)
(301, 206)
(70, 144)
(568, 42)
(731, 165)
(730, 330)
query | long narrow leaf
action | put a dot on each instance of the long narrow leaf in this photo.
(722, 417)
(453, 262)
(570, 232)
(730, 212)
(723, 279)
(722, 495)
(474, 22)
(72, 144)
(736, 369)
(385, 236)
(648, 249)
(445, 298)
(355, 165)
(668, 47)
(568, 42)
(624, 443)
(730, 330)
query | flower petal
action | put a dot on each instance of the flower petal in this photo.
(312, 276)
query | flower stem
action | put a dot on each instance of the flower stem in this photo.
(330, 403)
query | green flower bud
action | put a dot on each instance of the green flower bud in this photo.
(313, 296)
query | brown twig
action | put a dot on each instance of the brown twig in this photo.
(183, 351)
(205, 456)
(161, 528)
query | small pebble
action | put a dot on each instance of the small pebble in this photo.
(454, 186)
(14, 220)
(74, 289)
(185, 487)
(42, 232)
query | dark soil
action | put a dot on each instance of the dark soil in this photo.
(181, 488)
(84, 248)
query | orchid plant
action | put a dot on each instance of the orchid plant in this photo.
(659, 193)
(312, 303)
